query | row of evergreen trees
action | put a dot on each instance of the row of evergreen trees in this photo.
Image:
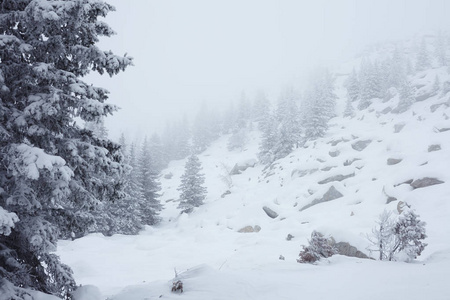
(384, 78)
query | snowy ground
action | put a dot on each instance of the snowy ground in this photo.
(215, 261)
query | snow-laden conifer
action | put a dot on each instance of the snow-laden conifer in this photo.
(319, 247)
(423, 60)
(192, 191)
(147, 181)
(54, 173)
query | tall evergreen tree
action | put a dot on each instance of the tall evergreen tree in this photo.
(53, 173)
(182, 139)
(148, 184)
(352, 85)
(318, 106)
(440, 49)
(288, 118)
(406, 97)
(192, 192)
(369, 84)
(423, 60)
(269, 138)
(201, 132)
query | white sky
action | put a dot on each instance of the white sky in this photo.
(191, 51)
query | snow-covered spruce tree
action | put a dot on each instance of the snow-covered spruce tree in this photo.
(289, 129)
(398, 239)
(397, 72)
(370, 83)
(318, 106)
(423, 60)
(201, 131)
(382, 239)
(123, 215)
(182, 139)
(147, 180)
(440, 49)
(409, 232)
(269, 138)
(349, 110)
(352, 85)
(319, 247)
(53, 173)
(192, 192)
(406, 97)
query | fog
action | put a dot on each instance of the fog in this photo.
(192, 52)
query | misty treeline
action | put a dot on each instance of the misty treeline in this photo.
(297, 117)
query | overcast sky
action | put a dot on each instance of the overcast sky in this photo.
(186, 52)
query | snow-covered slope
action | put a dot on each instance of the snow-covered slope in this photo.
(379, 154)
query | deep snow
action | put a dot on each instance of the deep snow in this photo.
(215, 261)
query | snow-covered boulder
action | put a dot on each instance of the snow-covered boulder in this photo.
(331, 194)
(338, 177)
(242, 166)
(393, 161)
(361, 145)
(248, 229)
(270, 212)
(424, 182)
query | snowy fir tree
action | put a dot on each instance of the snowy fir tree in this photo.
(409, 232)
(192, 191)
(423, 60)
(288, 128)
(398, 239)
(182, 139)
(201, 131)
(349, 110)
(147, 176)
(319, 247)
(436, 84)
(370, 83)
(352, 85)
(407, 98)
(318, 106)
(123, 215)
(382, 238)
(269, 138)
(440, 49)
(54, 173)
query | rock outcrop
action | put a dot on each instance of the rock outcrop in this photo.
(425, 182)
(331, 194)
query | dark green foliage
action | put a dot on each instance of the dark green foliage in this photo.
(54, 175)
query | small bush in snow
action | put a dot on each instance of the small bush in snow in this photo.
(403, 237)
(177, 286)
(319, 247)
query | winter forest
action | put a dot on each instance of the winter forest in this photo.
(331, 184)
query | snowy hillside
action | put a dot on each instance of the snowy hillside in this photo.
(364, 165)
